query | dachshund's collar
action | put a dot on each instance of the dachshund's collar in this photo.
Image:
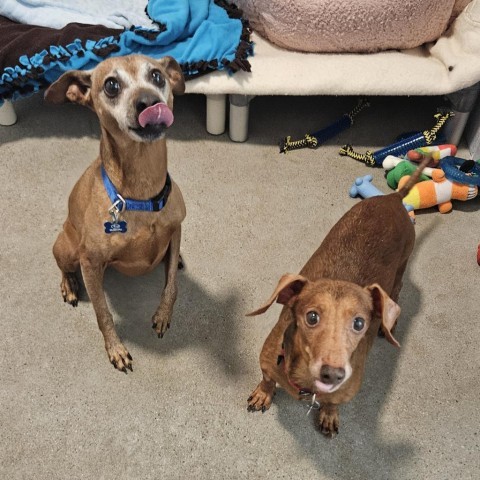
(304, 393)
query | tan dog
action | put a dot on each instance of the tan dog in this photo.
(335, 307)
(132, 97)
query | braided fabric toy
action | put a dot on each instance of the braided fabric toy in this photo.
(400, 148)
(313, 140)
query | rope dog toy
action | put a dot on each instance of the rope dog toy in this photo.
(400, 148)
(313, 140)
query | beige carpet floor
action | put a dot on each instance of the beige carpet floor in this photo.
(252, 215)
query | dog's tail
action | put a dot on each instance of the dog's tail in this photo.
(414, 177)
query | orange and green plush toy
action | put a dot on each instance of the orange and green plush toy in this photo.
(402, 169)
(438, 191)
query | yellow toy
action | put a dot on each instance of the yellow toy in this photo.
(438, 191)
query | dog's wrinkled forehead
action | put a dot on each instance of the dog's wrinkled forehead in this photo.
(133, 72)
(324, 292)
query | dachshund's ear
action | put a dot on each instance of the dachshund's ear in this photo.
(74, 85)
(386, 309)
(287, 291)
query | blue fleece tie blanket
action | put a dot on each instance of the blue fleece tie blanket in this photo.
(202, 35)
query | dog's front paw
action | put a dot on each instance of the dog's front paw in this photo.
(181, 263)
(119, 356)
(160, 324)
(69, 288)
(328, 420)
(261, 397)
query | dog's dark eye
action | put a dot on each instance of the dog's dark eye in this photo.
(313, 318)
(358, 324)
(157, 78)
(111, 87)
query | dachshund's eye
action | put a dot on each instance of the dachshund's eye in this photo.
(312, 318)
(158, 78)
(358, 324)
(111, 87)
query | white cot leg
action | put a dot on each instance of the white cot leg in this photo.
(216, 107)
(239, 109)
(7, 114)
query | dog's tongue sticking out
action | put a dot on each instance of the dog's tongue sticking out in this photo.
(157, 114)
(322, 387)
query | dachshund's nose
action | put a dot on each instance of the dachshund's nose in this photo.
(331, 375)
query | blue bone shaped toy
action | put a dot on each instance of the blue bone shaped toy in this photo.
(364, 188)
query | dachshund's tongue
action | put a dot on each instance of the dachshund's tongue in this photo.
(157, 114)
(322, 387)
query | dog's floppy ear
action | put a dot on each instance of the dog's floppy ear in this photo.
(287, 290)
(175, 74)
(386, 309)
(74, 85)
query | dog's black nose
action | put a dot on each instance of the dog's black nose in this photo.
(144, 101)
(331, 375)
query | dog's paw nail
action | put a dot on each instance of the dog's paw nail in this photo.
(154, 325)
(130, 367)
(129, 356)
(114, 363)
(160, 335)
(124, 369)
(168, 325)
(249, 398)
(264, 409)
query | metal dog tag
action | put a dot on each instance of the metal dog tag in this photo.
(115, 227)
(315, 405)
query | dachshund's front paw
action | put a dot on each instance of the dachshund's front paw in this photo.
(261, 397)
(328, 420)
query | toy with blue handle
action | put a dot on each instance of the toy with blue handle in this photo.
(400, 148)
(315, 139)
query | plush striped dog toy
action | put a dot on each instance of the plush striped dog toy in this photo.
(438, 191)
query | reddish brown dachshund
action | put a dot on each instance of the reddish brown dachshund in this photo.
(335, 307)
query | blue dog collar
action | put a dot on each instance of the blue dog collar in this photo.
(155, 204)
